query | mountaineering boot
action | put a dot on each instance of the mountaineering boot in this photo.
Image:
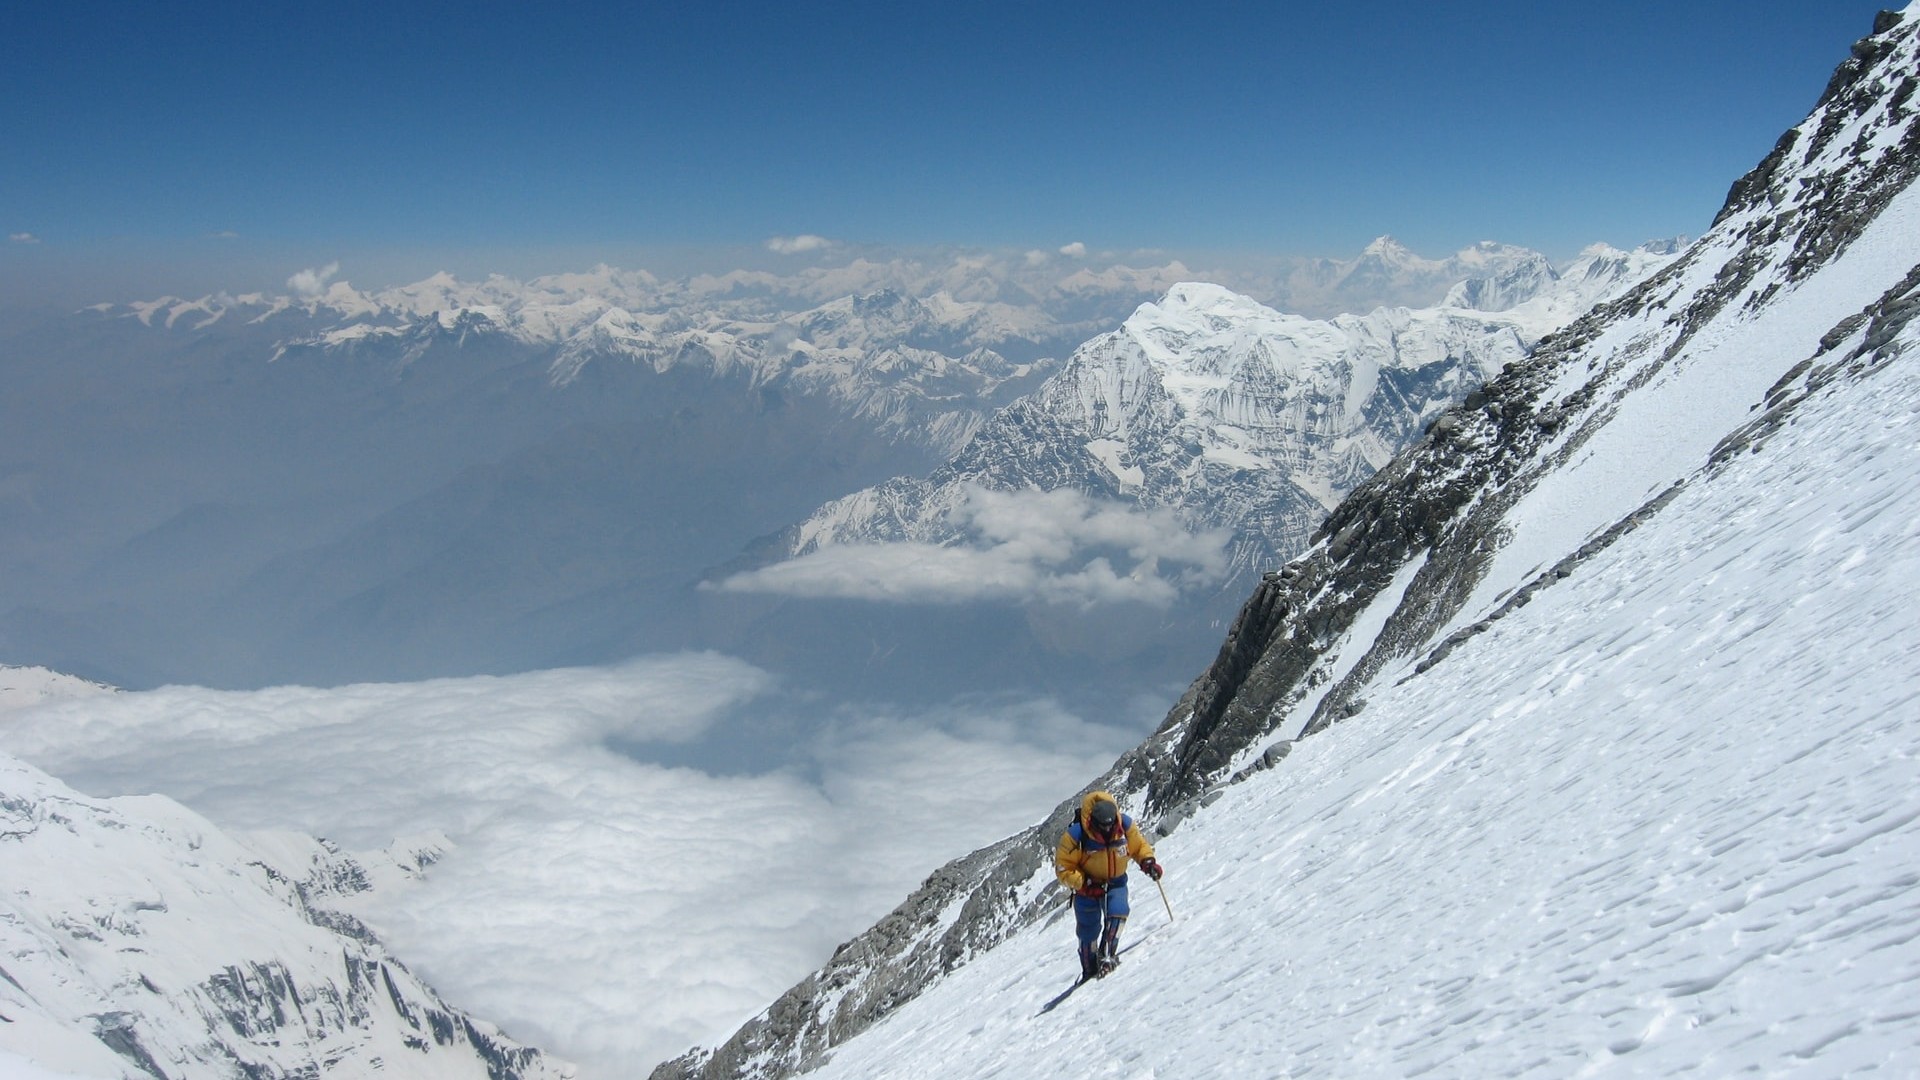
(1108, 956)
(1109, 952)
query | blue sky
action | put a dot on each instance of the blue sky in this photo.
(278, 136)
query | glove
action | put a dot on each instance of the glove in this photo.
(1093, 890)
(1152, 867)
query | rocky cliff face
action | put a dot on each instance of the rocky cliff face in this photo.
(138, 940)
(1808, 276)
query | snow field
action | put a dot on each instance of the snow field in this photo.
(1661, 821)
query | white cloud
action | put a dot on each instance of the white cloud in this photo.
(23, 238)
(1036, 257)
(1075, 250)
(797, 245)
(1055, 547)
(606, 907)
(310, 283)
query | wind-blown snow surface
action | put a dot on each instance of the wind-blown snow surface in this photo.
(1660, 821)
(593, 896)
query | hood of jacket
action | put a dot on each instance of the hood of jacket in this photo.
(1091, 797)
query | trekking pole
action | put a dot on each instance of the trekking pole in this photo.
(1163, 898)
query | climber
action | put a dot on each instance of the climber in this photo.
(1091, 861)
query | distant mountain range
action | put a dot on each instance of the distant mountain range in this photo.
(455, 477)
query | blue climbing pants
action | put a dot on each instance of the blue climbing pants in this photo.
(1098, 919)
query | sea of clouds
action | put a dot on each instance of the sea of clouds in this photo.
(596, 898)
(1057, 547)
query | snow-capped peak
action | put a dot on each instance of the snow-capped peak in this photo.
(1490, 252)
(21, 687)
(1388, 250)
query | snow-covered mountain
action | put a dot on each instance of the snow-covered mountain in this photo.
(1232, 415)
(1550, 296)
(1576, 744)
(136, 939)
(1386, 268)
(919, 370)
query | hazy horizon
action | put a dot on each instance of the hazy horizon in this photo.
(156, 152)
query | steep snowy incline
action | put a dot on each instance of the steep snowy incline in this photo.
(136, 938)
(1662, 821)
(1809, 276)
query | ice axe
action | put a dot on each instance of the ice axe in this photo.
(1163, 898)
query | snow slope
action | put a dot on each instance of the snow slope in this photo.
(1661, 821)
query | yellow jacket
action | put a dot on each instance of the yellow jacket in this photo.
(1081, 856)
